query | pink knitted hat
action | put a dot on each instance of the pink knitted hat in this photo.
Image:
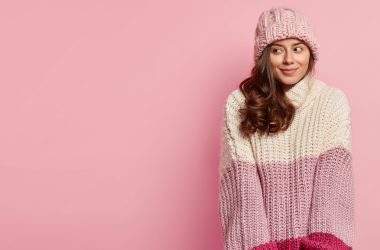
(280, 23)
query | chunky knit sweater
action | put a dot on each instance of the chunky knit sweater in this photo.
(294, 189)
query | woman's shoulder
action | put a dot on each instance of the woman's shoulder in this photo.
(330, 89)
(235, 100)
(235, 96)
(332, 97)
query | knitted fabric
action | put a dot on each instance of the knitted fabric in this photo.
(294, 189)
(281, 23)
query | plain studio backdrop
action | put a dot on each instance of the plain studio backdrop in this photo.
(110, 116)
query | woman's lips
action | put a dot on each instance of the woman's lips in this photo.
(288, 72)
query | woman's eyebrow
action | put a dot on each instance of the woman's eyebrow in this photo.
(292, 44)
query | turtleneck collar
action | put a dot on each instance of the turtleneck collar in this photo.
(298, 93)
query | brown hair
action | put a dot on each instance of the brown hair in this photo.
(267, 109)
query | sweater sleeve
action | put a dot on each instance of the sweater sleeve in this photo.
(243, 218)
(331, 221)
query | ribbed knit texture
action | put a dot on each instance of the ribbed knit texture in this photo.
(292, 190)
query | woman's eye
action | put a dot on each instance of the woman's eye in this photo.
(276, 50)
(300, 49)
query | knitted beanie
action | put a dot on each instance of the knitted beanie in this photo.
(281, 23)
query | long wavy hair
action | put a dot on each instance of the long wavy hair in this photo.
(267, 109)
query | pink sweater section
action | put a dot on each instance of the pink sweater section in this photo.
(293, 190)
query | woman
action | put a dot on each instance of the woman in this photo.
(286, 164)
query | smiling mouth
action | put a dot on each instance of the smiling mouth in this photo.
(288, 71)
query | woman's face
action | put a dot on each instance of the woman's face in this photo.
(289, 59)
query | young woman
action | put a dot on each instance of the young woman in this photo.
(286, 164)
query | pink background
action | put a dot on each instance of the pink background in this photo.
(110, 115)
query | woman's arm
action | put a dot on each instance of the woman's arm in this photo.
(243, 218)
(331, 221)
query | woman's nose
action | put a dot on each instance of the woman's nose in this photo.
(288, 58)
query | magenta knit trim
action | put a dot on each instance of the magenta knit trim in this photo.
(313, 241)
